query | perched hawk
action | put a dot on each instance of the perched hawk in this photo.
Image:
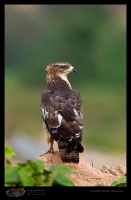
(62, 113)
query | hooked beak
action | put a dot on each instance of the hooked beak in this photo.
(74, 70)
(71, 69)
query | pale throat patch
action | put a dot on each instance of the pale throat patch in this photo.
(64, 77)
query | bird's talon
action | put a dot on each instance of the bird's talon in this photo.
(49, 151)
(52, 152)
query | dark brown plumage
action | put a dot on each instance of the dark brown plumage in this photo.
(62, 113)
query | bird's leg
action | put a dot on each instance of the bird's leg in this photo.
(51, 150)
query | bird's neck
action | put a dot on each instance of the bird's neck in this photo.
(58, 82)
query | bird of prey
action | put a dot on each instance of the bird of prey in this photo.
(62, 113)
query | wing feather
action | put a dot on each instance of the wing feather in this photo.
(62, 113)
(49, 113)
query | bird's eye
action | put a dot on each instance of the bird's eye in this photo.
(61, 67)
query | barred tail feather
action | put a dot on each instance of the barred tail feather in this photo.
(67, 154)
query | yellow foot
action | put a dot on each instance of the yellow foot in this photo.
(49, 151)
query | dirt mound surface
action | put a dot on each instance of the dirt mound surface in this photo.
(83, 173)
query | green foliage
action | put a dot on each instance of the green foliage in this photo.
(57, 173)
(11, 175)
(9, 152)
(120, 182)
(33, 173)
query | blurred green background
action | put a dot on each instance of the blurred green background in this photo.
(93, 39)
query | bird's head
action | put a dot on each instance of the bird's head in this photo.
(60, 68)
